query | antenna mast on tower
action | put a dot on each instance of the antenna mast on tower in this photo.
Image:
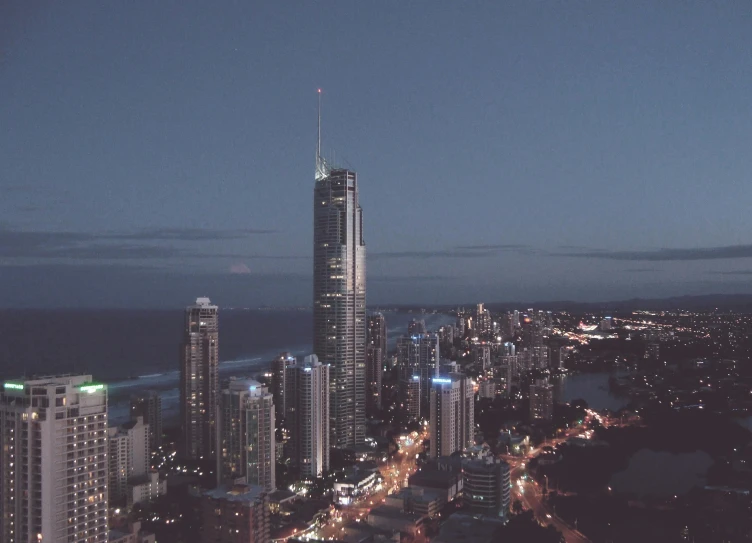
(321, 167)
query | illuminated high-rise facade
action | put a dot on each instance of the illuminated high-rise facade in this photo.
(199, 380)
(246, 434)
(375, 358)
(53, 460)
(452, 414)
(339, 297)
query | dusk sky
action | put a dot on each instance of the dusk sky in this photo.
(152, 152)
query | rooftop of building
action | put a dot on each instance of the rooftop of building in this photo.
(462, 527)
(282, 495)
(57, 380)
(483, 465)
(354, 474)
(433, 478)
(237, 493)
(393, 512)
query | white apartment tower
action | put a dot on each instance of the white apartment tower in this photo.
(247, 440)
(53, 460)
(129, 455)
(307, 415)
(452, 415)
(199, 380)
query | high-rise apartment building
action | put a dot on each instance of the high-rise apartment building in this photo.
(307, 415)
(279, 365)
(419, 355)
(482, 320)
(199, 380)
(482, 355)
(53, 460)
(247, 434)
(413, 398)
(339, 296)
(452, 414)
(541, 400)
(129, 456)
(375, 360)
(148, 405)
(235, 513)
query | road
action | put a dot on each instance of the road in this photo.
(531, 496)
(529, 493)
(395, 472)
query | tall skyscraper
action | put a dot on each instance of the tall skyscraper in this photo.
(339, 296)
(375, 359)
(199, 380)
(452, 415)
(53, 460)
(148, 405)
(307, 415)
(541, 400)
(279, 365)
(247, 436)
(129, 456)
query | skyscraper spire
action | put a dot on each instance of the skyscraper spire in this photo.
(321, 167)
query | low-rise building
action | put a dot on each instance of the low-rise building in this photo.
(394, 519)
(236, 513)
(463, 528)
(146, 489)
(354, 484)
(447, 485)
(134, 534)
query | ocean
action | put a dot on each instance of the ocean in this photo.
(131, 350)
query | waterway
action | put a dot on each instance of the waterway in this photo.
(591, 387)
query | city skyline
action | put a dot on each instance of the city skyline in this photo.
(570, 156)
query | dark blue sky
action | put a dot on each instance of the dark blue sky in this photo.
(150, 151)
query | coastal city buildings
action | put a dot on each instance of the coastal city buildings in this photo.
(452, 416)
(339, 296)
(375, 359)
(148, 405)
(199, 380)
(129, 456)
(53, 460)
(246, 434)
(307, 415)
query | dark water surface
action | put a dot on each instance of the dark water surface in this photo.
(133, 350)
(591, 387)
